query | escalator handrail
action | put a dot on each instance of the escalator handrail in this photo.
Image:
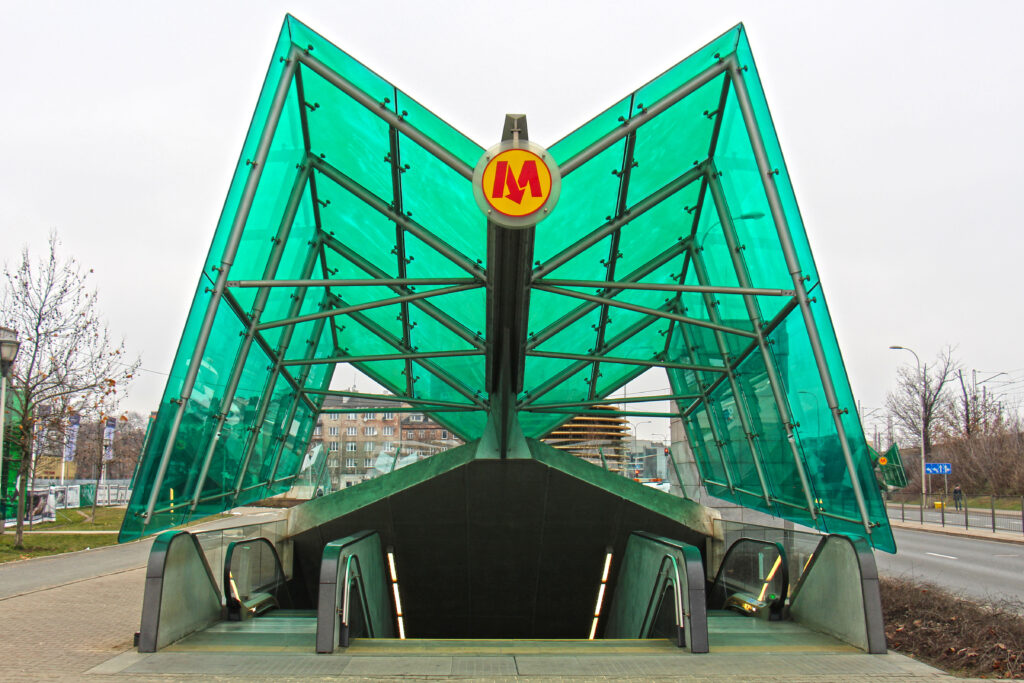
(232, 604)
(780, 602)
(333, 562)
(697, 632)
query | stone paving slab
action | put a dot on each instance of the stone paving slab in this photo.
(68, 626)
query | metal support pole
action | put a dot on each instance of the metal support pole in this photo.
(386, 336)
(392, 119)
(658, 287)
(259, 303)
(405, 298)
(723, 350)
(227, 259)
(708, 410)
(582, 310)
(621, 338)
(318, 330)
(362, 282)
(754, 313)
(441, 317)
(400, 219)
(668, 315)
(793, 265)
(615, 401)
(625, 361)
(640, 119)
(412, 355)
(634, 212)
(282, 348)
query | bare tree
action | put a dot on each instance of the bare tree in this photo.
(67, 362)
(923, 393)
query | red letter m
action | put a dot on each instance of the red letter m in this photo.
(505, 179)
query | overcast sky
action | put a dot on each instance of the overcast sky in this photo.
(122, 121)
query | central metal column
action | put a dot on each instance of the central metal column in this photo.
(509, 256)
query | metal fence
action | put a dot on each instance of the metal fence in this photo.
(989, 513)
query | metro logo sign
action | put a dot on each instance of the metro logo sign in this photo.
(516, 186)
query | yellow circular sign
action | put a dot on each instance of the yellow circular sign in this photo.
(516, 183)
(882, 460)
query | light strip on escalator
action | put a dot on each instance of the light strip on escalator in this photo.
(600, 594)
(394, 589)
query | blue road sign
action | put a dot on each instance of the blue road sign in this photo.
(938, 468)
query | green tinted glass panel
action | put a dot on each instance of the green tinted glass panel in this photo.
(342, 177)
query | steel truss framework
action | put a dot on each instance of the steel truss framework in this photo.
(350, 235)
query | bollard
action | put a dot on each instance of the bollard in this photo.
(992, 504)
(942, 512)
(966, 520)
(903, 510)
(1022, 514)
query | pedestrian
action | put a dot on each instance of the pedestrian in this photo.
(958, 496)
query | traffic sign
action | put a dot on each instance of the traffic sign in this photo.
(938, 468)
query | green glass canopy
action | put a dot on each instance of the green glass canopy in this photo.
(350, 235)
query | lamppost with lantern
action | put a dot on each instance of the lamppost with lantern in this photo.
(8, 352)
(924, 381)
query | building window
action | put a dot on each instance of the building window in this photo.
(368, 447)
(332, 431)
(386, 446)
(318, 430)
(416, 417)
(367, 463)
(350, 416)
(389, 431)
(351, 431)
(444, 433)
(389, 416)
(333, 417)
(370, 431)
(369, 416)
(350, 462)
(350, 446)
(333, 446)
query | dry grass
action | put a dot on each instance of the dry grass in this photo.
(952, 632)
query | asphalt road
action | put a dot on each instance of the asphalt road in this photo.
(990, 571)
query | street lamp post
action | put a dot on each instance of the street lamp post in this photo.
(924, 381)
(8, 352)
(633, 452)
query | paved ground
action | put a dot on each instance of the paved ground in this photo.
(72, 617)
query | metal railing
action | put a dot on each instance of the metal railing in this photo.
(989, 513)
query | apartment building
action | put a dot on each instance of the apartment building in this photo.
(363, 436)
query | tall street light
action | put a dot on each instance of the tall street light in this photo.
(8, 351)
(924, 486)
